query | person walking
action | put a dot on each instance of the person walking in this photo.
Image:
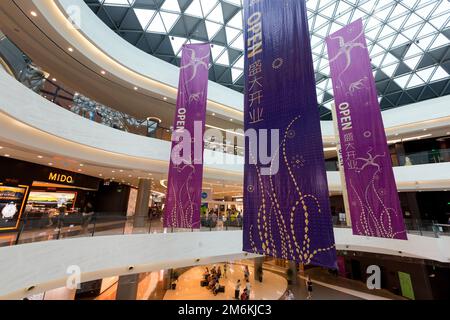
(289, 295)
(246, 273)
(237, 289)
(244, 295)
(248, 287)
(309, 287)
(225, 270)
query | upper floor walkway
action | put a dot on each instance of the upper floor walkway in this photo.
(41, 266)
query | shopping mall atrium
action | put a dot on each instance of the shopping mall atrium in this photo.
(224, 150)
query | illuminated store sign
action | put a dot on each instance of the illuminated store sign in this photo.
(61, 178)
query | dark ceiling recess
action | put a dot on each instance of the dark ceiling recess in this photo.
(409, 41)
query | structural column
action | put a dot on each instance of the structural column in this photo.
(292, 272)
(127, 287)
(143, 199)
(259, 269)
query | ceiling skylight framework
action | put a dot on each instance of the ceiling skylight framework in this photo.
(409, 41)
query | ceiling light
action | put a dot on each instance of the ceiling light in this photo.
(100, 175)
(81, 165)
(103, 72)
(70, 49)
(1, 147)
(417, 138)
(79, 170)
(33, 13)
(54, 79)
(213, 114)
(40, 157)
(121, 170)
(135, 88)
(7, 155)
(165, 98)
(113, 171)
(50, 164)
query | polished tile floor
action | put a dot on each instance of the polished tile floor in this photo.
(188, 287)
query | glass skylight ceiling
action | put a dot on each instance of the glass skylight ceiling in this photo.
(409, 41)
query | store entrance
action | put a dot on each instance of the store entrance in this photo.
(48, 205)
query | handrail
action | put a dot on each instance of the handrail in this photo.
(75, 225)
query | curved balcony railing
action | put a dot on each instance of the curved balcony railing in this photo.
(427, 157)
(33, 77)
(410, 159)
(33, 229)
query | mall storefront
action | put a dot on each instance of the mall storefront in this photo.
(43, 199)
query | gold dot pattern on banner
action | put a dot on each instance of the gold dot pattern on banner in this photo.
(277, 63)
(369, 224)
(290, 245)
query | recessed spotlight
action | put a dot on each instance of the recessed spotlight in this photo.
(231, 120)
(150, 174)
(113, 178)
(121, 170)
(103, 72)
(1, 147)
(425, 129)
(100, 175)
(50, 164)
(70, 49)
(213, 114)
(165, 98)
(40, 157)
(54, 79)
(33, 13)
(81, 165)
(113, 171)
(135, 88)
(130, 176)
(79, 170)
(7, 155)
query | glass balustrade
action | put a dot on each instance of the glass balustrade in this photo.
(106, 224)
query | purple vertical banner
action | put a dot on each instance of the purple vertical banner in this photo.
(184, 187)
(286, 199)
(372, 193)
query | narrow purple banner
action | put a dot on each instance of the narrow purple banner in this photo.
(286, 200)
(184, 187)
(372, 193)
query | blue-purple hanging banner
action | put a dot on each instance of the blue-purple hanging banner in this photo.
(286, 202)
(184, 186)
(372, 193)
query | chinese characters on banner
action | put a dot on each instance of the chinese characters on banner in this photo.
(372, 193)
(286, 200)
(184, 187)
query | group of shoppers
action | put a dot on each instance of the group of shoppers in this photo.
(212, 277)
(289, 295)
(215, 218)
(245, 294)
